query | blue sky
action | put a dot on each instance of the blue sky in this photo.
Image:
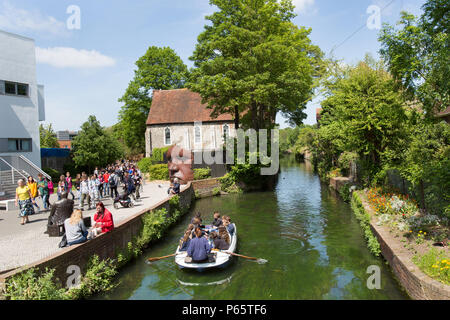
(86, 70)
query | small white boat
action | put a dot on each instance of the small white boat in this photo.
(222, 257)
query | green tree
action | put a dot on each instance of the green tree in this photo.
(158, 69)
(363, 113)
(48, 137)
(253, 61)
(418, 55)
(93, 146)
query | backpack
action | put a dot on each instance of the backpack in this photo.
(63, 242)
(112, 181)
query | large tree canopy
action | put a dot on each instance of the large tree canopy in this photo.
(93, 146)
(48, 137)
(253, 61)
(158, 69)
(418, 55)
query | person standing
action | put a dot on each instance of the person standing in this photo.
(69, 185)
(77, 185)
(93, 189)
(43, 190)
(32, 185)
(51, 189)
(62, 186)
(24, 201)
(106, 183)
(113, 184)
(84, 192)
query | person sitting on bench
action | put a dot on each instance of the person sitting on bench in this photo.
(61, 210)
(76, 231)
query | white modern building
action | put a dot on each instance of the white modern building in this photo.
(22, 103)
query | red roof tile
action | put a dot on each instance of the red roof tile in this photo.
(180, 106)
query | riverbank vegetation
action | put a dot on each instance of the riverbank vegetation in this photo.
(380, 125)
(100, 274)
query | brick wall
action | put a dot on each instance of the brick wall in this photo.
(105, 246)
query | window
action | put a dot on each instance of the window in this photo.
(13, 88)
(19, 145)
(198, 134)
(10, 88)
(226, 131)
(167, 136)
(22, 89)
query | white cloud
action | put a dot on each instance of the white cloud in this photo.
(20, 20)
(62, 57)
(301, 6)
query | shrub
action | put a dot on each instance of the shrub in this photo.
(98, 278)
(364, 221)
(54, 174)
(202, 173)
(158, 154)
(345, 159)
(29, 286)
(144, 164)
(434, 263)
(159, 172)
(345, 192)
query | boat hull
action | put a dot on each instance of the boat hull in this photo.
(222, 257)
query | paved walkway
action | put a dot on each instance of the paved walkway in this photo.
(24, 244)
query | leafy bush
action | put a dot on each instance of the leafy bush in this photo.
(345, 159)
(202, 173)
(158, 154)
(345, 192)
(98, 278)
(364, 221)
(159, 172)
(29, 286)
(54, 174)
(144, 164)
(434, 263)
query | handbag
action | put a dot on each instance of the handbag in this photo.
(63, 242)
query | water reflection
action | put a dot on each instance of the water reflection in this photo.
(315, 248)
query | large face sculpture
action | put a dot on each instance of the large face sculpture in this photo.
(180, 164)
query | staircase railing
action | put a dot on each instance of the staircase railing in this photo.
(3, 161)
(26, 162)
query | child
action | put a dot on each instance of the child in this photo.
(217, 221)
(51, 189)
(69, 185)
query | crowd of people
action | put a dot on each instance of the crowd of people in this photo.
(89, 189)
(199, 240)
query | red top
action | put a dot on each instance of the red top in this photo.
(106, 177)
(106, 221)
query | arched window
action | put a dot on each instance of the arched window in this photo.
(226, 131)
(198, 134)
(167, 140)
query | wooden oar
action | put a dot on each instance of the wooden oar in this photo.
(159, 258)
(259, 260)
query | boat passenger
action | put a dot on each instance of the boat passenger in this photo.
(226, 220)
(219, 243)
(199, 247)
(184, 241)
(217, 222)
(197, 215)
(224, 234)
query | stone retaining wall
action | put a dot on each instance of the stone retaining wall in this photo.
(106, 245)
(204, 188)
(417, 284)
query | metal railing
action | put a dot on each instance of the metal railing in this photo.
(34, 170)
(9, 167)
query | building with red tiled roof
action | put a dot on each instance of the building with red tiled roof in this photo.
(179, 117)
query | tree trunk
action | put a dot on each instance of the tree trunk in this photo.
(236, 117)
(422, 195)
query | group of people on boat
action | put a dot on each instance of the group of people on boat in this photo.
(200, 239)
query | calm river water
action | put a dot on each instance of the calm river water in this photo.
(312, 241)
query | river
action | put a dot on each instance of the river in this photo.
(313, 243)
